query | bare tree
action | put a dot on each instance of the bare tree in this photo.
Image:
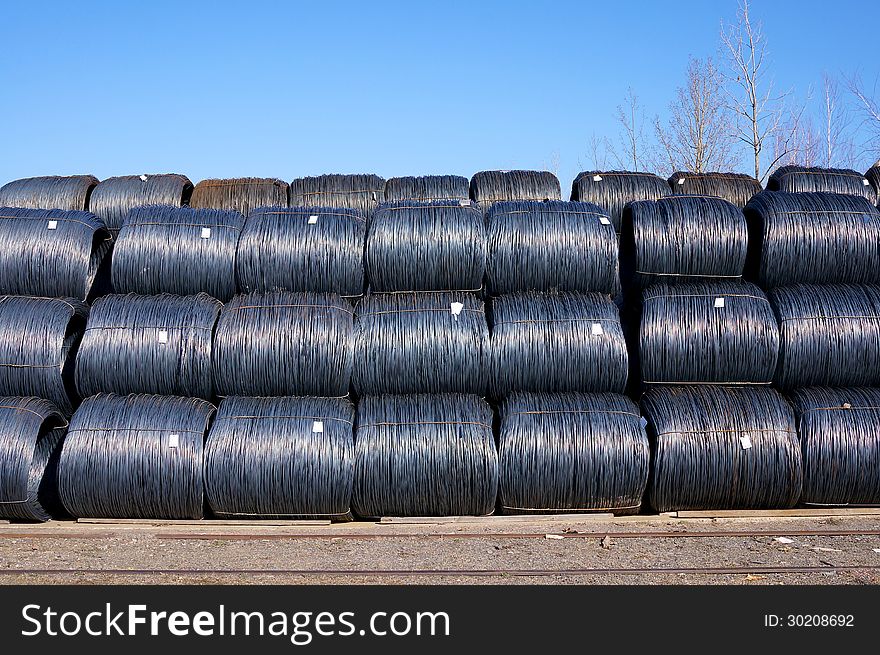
(758, 109)
(868, 103)
(599, 149)
(697, 137)
(838, 147)
(631, 117)
(798, 141)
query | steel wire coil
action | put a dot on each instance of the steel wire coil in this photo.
(682, 237)
(49, 192)
(873, 176)
(829, 335)
(735, 188)
(426, 188)
(31, 430)
(424, 455)
(115, 197)
(362, 192)
(720, 332)
(148, 344)
(426, 246)
(812, 238)
(135, 457)
(38, 342)
(488, 187)
(420, 343)
(302, 249)
(612, 190)
(280, 343)
(556, 342)
(50, 252)
(281, 457)
(806, 179)
(242, 194)
(839, 431)
(571, 452)
(715, 447)
(551, 246)
(177, 250)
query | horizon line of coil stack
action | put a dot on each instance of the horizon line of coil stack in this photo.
(344, 346)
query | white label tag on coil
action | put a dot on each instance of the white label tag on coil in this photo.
(597, 178)
(604, 220)
(643, 422)
(719, 302)
(313, 219)
(173, 440)
(456, 308)
(374, 195)
(846, 406)
(317, 426)
(163, 336)
(865, 181)
(206, 233)
(143, 178)
(680, 181)
(596, 329)
(53, 225)
(746, 441)
(464, 203)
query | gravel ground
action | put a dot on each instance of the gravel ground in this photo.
(67, 552)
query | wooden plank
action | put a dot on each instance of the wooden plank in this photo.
(805, 512)
(206, 523)
(490, 520)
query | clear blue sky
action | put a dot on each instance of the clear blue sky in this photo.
(288, 89)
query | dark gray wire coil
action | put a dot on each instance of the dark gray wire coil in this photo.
(415, 343)
(281, 457)
(426, 188)
(38, 351)
(31, 430)
(829, 335)
(551, 246)
(242, 194)
(280, 343)
(488, 187)
(426, 246)
(424, 455)
(360, 191)
(682, 237)
(135, 457)
(720, 332)
(612, 190)
(812, 238)
(114, 197)
(839, 432)
(735, 188)
(873, 176)
(302, 249)
(50, 252)
(718, 447)
(162, 249)
(556, 342)
(571, 452)
(806, 179)
(49, 192)
(148, 344)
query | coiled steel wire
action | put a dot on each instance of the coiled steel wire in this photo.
(426, 246)
(488, 187)
(242, 194)
(571, 452)
(420, 343)
(148, 344)
(424, 455)
(426, 188)
(362, 192)
(280, 343)
(800, 179)
(31, 430)
(812, 238)
(38, 341)
(177, 250)
(49, 192)
(719, 447)
(720, 332)
(50, 252)
(873, 176)
(302, 249)
(612, 190)
(556, 342)
(135, 457)
(829, 335)
(114, 197)
(281, 457)
(735, 188)
(551, 246)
